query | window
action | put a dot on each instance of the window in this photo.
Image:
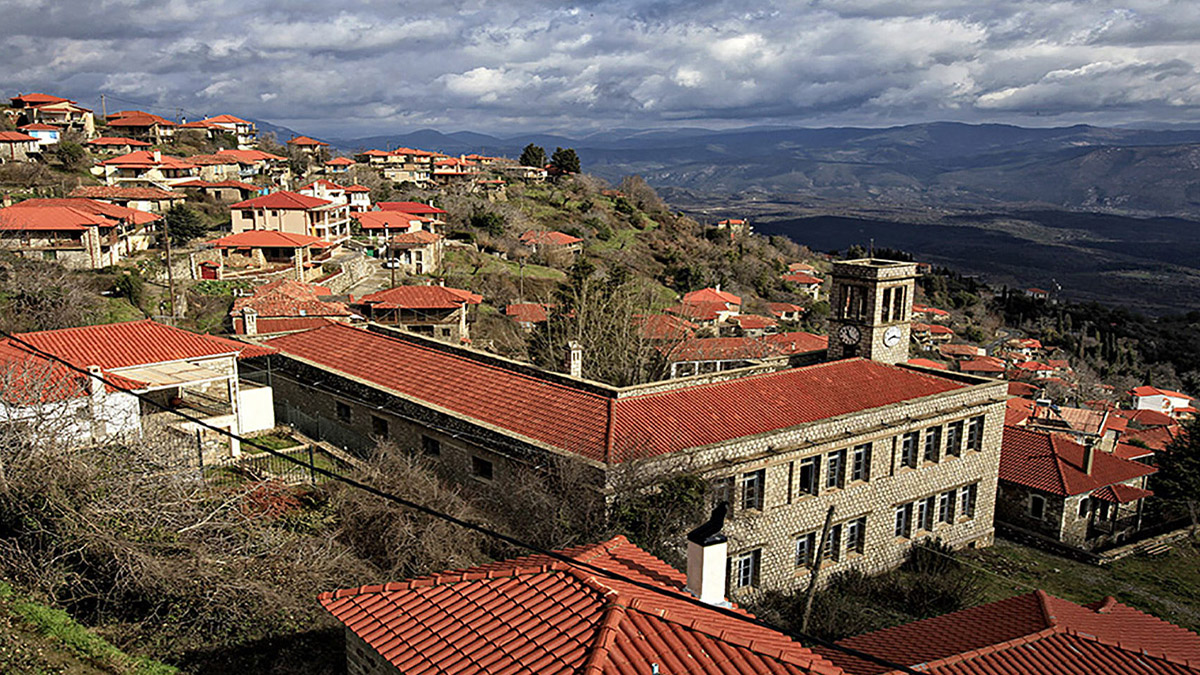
(1083, 507)
(975, 434)
(49, 255)
(1103, 510)
(860, 468)
(966, 500)
(723, 490)
(832, 550)
(885, 309)
(247, 215)
(899, 306)
(810, 473)
(946, 507)
(908, 449)
(431, 446)
(752, 489)
(1037, 507)
(481, 468)
(904, 520)
(746, 567)
(933, 444)
(379, 426)
(835, 466)
(925, 514)
(856, 531)
(954, 439)
(343, 411)
(805, 545)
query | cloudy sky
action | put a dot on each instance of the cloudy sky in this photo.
(341, 69)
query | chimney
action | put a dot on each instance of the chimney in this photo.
(575, 359)
(95, 384)
(157, 156)
(1089, 458)
(707, 550)
(249, 321)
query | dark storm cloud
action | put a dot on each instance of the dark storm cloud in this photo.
(340, 69)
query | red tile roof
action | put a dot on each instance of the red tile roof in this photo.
(1147, 390)
(1155, 438)
(134, 343)
(323, 182)
(798, 342)
(197, 183)
(282, 200)
(123, 192)
(421, 297)
(527, 312)
(15, 137)
(356, 188)
(1132, 452)
(113, 211)
(539, 615)
(958, 350)
(38, 126)
(1148, 418)
(923, 309)
(935, 329)
(340, 161)
(1018, 410)
(549, 238)
(781, 308)
(926, 363)
(288, 298)
(418, 238)
(410, 207)
(39, 99)
(117, 140)
(389, 220)
(802, 279)
(145, 159)
(664, 327)
(268, 239)
(1035, 634)
(212, 160)
(754, 322)
(305, 140)
(981, 366)
(706, 295)
(51, 218)
(721, 349)
(1051, 463)
(251, 156)
(700, 311)
(588, 420)
(226, 119)
(137, 118)
(1022, 389)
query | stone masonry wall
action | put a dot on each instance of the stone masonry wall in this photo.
(362, 659)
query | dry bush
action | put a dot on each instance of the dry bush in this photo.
(400, 542)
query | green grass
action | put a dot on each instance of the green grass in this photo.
(64, 633)
(1167, 586)
(272, 442)
(460, 262)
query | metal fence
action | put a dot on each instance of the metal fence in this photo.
(322, 429)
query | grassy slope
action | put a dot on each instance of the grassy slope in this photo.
(39, 639)
(1167, 586)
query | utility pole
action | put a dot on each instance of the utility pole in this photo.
(521, 267)
(170, 269)
(818, 555)
(103, 107)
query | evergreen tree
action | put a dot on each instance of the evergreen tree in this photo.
(1178, 479)
(184, 223)
(565, 160)
(533, 155)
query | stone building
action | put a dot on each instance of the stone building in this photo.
(871, 309)
(1074, 494)
(901, 453)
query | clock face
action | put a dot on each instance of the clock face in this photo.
(849, 335)
(892, 336)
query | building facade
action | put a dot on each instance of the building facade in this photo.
(871, 307)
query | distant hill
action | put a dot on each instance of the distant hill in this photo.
(1144, 171)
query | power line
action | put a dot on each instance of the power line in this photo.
(508, 539)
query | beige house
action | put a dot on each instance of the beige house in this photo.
(256, 253)
(76, 233)
(401, 165)
(875, 441)
(56, 111)
(419, 252)
(142, 125)
(146, 168)
(18, 146)
(293, 213)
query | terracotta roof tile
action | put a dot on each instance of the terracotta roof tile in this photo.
(117, 140)
(527, 312)
(387, 220)
(125, 192)
(51, 218)
(707, 295)
(1051, 463)
(802, 279)
(120, 345)
(418, 238)
(268, 239)
(1035, 633)
(577, 418)
(289, 298)
(421, 297)
(113, 211)
(15, 137)
(282, 200)
(549, 238)
(306, 141)
(411, 207)
(538, 615)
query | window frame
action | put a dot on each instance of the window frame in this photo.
(856, 544)
(974, 442)
(807, 542)
(968, 495)
(747, 567)
(861, 471)
(945, 506)
(431, 446)
(1040, 512)
(838, 477)
(913, 452)
(953, 441)
(343, 411)
(831, 549)
(902, 519)
(814, 463)
(377, 424)
(482, 469)
(936, 433)
(752, 493)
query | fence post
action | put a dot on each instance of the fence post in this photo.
(200, 452)
(312, 474)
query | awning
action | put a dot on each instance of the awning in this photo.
(173, 374)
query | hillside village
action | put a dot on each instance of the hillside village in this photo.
(241, 319)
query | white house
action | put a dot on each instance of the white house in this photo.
(1165, 401)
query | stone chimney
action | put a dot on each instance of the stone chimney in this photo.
(707, 551)
(1089, 458)
(575, 359)
(249, 321)
(95, 384)
(157, 156)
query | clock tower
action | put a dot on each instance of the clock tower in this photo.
(870, 309)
